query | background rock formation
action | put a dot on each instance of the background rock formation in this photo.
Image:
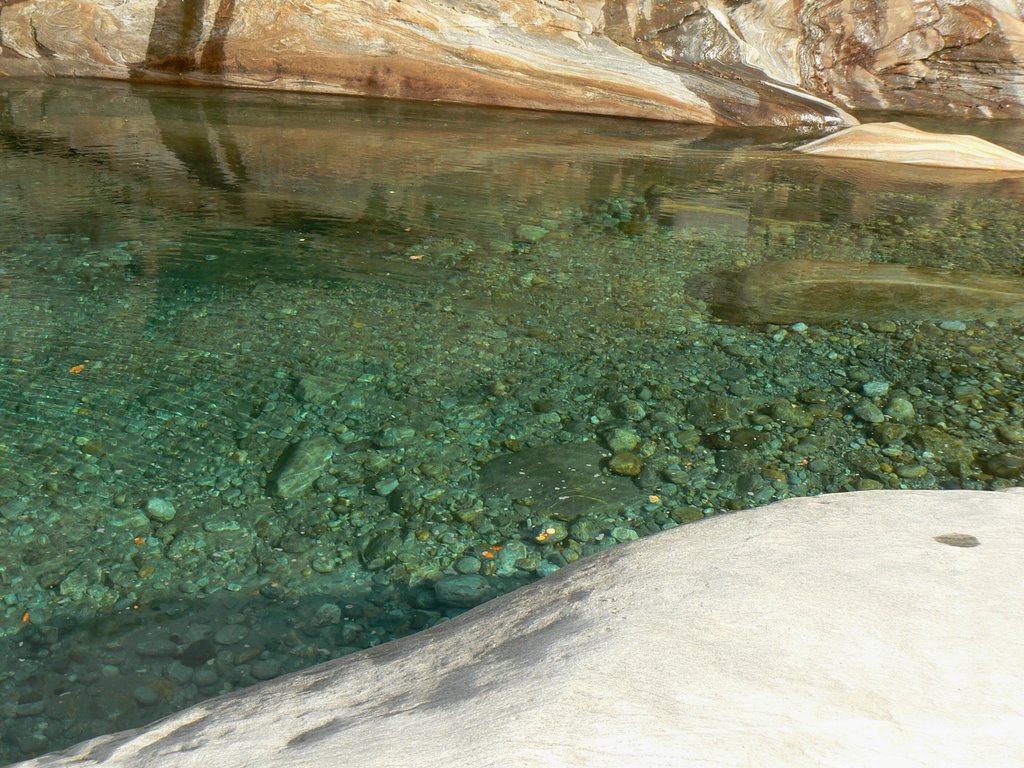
(933, 56)
(711, 61)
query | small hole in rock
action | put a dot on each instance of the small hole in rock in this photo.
(957, 540)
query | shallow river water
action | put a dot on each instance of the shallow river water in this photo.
(283, 377)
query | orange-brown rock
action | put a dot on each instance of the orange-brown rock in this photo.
(788, 62)
(521, 53)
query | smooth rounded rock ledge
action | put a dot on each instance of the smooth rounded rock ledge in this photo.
(899, 143)
(861, 629)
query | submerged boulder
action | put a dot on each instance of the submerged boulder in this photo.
(873, 628)
(804, 290)
(301, 465)
(563, 481)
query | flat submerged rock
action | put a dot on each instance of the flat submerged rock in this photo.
(788, 291)
(874, 628)
(563, 481)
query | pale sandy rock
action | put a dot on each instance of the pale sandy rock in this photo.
(899, 143)
(864, 629)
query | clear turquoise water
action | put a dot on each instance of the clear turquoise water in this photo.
(194, 282)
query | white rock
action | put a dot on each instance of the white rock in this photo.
(829, 631)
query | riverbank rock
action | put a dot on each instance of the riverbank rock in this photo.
(899, 143)
(774, 62)
(519, 53)
(882, 627)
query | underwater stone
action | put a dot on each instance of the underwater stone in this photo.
(317, 390)
(713, 413)
(301, 465)
(900, 409)
(160, 510)
(230, 634)
(830, 291)
(563, 481)
(625, 463)
(464, 590)
(622, 440)
(875, 388)
(865, 410)
(78, 581)
(530, 233)
(1010, 433)
(266, 669)
(1005, 465)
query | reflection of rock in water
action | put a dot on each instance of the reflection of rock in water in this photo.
(827, 291)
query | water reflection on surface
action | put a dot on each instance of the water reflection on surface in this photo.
(478, 344)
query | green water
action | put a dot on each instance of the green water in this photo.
(284, 377)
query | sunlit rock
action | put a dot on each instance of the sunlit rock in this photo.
(519, 53)
(776, 62)
(808, 291)
(930, 56)
(899, 143)
(876, 628)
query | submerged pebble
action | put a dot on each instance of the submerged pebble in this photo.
(160, 510)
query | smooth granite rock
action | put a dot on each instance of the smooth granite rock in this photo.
(864, 629)
(899, 143)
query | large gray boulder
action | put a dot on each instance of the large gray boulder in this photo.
(863, 629)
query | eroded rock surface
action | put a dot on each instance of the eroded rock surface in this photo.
(935, 56)
(520, 53)
(713, 61)
(884, 627)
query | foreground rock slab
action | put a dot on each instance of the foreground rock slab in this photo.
(899, 143)
(874, 628)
